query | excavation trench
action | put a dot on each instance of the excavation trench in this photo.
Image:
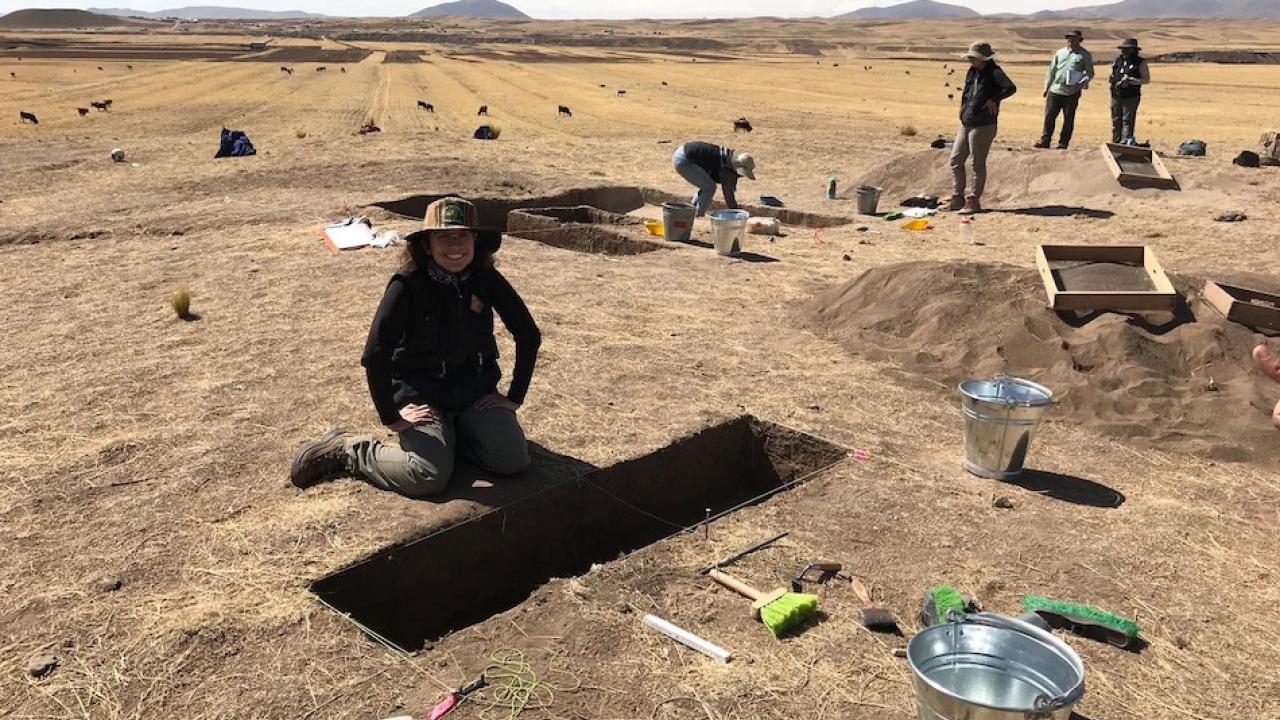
(410, 594)
(582, 228)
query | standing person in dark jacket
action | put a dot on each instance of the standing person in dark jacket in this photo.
(431, 360)
(706, 165)
(1128, 74)
(985, 87)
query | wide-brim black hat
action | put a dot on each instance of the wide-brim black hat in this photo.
(1130, 43)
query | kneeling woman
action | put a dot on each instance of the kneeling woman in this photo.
(432, 365)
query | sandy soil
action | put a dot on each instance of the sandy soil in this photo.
(157, 549)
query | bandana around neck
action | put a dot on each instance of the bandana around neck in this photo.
(440, 275)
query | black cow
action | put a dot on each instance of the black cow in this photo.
(99, 67)
(565, 111)
(129, 67)
(621, 93)
(342, 70)
(322, 68)
(27, 117)
(484, 110)
(742, 125)
(82, 111)
(664, 82)
(426, 106)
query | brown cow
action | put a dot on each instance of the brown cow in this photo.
(82, 111)
(27, 117)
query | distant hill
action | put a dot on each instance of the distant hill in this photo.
(492, 9)
(1206, 9)
(58, 19)
(210, 12)
(913, 9)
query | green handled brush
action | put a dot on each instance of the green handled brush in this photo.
(1084, 620)
(780, 610)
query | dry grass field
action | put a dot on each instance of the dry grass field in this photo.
(154, 545)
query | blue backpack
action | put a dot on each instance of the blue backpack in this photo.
(234, 144)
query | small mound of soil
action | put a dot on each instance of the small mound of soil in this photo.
(1187, 380)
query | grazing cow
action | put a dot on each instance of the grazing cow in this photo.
(100, 106)
(664, 82)
(322, 68)
(27, 117)
(342, 70)
(129, 67)
(82, 111)
(621, 93)
(565, 111)
(946, 84)
(908, 72)
(426, 106)
(835, 64)
(284, 69)
(951, 97)
(99, 67)
(604, 86)
(484, 110)
(368, 128)
(742, 125)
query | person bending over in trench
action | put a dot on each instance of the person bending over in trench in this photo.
(1269, 363)
(432, 365)
(705, 165)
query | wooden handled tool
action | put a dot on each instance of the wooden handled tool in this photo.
(760, 598)
(874, 618)
(780, 610)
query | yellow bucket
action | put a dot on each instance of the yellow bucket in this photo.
(654, 227)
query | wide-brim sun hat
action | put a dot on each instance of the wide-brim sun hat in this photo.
(979, 51)
(745, 165)
(1130, 43)
(455, 213)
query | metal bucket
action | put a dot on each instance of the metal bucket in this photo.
(1000, 416)
(729, 226)
(868, 199)
(677, 221)
(992, 667)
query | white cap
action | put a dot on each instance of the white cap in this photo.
(745, 165)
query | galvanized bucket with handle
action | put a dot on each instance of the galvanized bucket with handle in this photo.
(991, 667)
(1000, 416)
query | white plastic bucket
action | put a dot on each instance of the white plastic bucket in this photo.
(729, 227)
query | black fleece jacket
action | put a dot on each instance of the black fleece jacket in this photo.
(432, 343)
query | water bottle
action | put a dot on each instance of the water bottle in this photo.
(831, 187)
(966, 231)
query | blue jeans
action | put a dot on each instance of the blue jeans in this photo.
(698, 177)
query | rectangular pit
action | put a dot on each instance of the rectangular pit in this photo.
(417, 592)
(581, 228)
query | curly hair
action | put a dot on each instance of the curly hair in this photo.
(417, 254)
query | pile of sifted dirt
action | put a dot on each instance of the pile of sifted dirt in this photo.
(1185, 379)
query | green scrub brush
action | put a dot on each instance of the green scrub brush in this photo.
(1084, 620)
(780, 611)
(939, 602)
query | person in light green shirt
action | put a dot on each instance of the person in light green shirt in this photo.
(1069, 73)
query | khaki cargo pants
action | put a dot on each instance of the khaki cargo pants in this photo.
(423, 462)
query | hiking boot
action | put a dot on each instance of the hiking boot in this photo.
(320, 460)
(1062, 147)
(971, 206)
(1043, 145)
(956, 203)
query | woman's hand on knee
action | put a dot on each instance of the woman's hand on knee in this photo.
(415, 415)
(494, 401)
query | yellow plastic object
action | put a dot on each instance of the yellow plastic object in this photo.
(918, 224)
(655, 228)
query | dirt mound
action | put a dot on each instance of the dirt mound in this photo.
(1185, 379)
(1024, 177)
(59, 19)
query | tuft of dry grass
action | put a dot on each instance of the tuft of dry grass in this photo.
(300, 133)
(908, 130)
(181, 302)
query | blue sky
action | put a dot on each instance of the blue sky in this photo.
(572, 8)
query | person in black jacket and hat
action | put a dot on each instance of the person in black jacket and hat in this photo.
(705, 165)
(431, 361)
(1128, 74)
(985, 87)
